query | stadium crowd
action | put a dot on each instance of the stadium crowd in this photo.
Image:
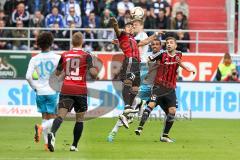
(159, 14)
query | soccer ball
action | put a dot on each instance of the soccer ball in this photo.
(137, 13)
(35, 75)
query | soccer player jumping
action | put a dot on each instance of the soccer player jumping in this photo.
(163, 91)
(130, 71)
(75, 64)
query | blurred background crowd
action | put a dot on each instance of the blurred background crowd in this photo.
(159, 14)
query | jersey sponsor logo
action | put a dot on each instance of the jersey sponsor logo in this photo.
(170, 63)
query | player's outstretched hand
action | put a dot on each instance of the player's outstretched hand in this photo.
(113, 21)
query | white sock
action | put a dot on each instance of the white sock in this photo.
(44, 124)
(136, 102)
(50, 122)
(45, 135)
(117, 126)
(45, 130)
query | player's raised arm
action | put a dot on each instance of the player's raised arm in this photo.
(149, 39)
(114, 24)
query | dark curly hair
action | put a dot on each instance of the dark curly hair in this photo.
(45, 40)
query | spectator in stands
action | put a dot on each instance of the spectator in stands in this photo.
(183, 47)
(179, 22)
(89, 6)
(160, 4)
(34, 45)
(9, 7)
(105, 18)
(37, 5)
(149, 21)
(73, 17)
(72, 4)
(227, 69)
(3, 34)
(19, 33)
(91, 21)
(54, 3)
(162, 21)
(105, 23)
(108, 4)
(54, 17)
(124, 19)
(66, 33)
(20, 14)
(123, 6)
(5, 18)
(180, 6)
(90, 46)
(2, 15)
(37, 20)
(57, 45)
(143, 4)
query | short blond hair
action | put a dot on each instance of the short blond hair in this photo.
(77, 39)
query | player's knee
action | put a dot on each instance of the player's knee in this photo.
(172, 110)
(152, 104)
(146, 113)
(170, 117)
(80, 117)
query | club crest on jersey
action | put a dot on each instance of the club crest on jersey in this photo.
(177, 58)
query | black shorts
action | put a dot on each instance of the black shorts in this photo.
(165, 97)
(130, 66)
(78, 102)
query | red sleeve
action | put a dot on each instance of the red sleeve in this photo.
(122, 35)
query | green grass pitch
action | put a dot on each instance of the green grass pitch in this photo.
(196, 139)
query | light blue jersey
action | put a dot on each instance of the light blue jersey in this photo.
(44, 64)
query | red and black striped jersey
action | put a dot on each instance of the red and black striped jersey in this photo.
(167, 68)
(75, 63)
(129, 46)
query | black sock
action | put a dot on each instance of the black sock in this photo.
(56, 124)
(126, 94)
(145, 116)
(77, 132)
(168, 123)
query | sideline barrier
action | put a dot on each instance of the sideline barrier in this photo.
(196, 99)
(14, 65)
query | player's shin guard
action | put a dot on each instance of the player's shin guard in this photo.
(145, 116)
(77, 132)
(168, 123)
(56, 124)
